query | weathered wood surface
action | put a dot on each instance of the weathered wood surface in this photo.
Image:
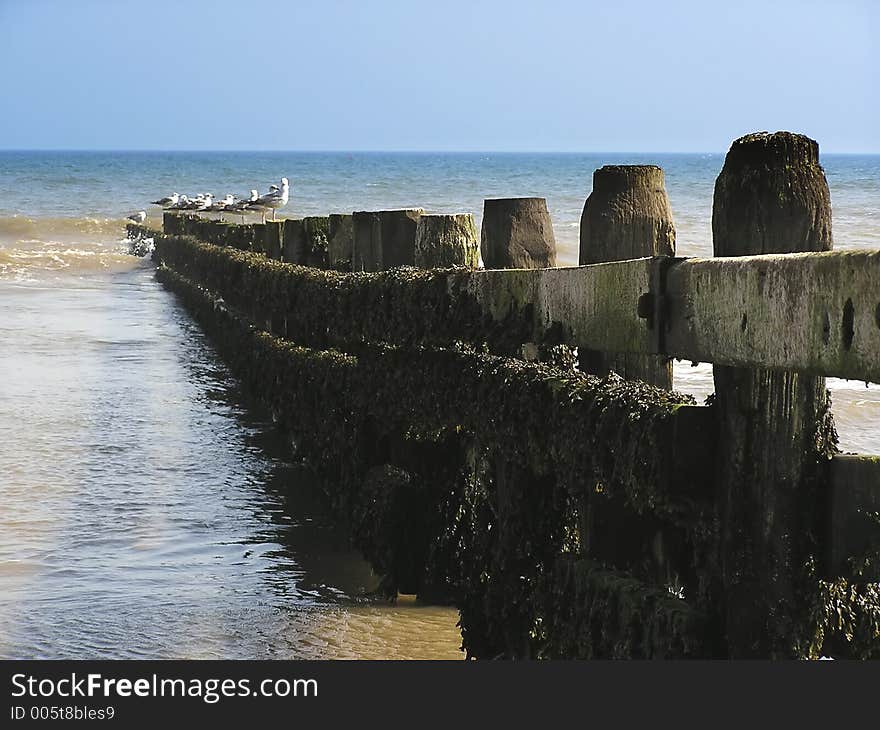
(627, 216)
(447, 240)
(384, 239)
(749, 311)
(816, 313)
(589, 306)
(774, 429)
(517, 233)
(340, 241)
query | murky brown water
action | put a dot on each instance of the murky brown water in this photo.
(146, 511)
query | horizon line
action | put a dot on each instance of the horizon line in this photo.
(394, 151)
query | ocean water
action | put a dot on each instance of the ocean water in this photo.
(137, 484)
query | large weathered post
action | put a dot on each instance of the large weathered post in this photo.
(447, 240)
(340, 242)
(273, 239)
(171, 223)
(384, 239)
(315, 232)
(293, 246)
(517, 234)
(771, 197)
(367, 241)
(259, 241)
(627, 216)
(399, 237)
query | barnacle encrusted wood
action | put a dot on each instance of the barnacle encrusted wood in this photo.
(346, 411)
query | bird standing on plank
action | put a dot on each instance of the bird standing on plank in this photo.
(274, 199)
(167, 201)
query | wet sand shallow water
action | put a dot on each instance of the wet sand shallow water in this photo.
(150, 512)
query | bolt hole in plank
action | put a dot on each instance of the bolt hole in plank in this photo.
(744, 323)
(826, 328)
(848, 324)
(877, 315)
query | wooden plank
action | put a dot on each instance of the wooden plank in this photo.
(594, 306)
(817, 313)
(855, 491)
(627, 216)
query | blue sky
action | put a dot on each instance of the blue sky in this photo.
(615, 75)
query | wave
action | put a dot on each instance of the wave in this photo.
(39, 261)
(20, 228)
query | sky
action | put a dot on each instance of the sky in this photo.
(488, 75)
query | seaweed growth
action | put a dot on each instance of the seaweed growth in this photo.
(470, 475)
(449, 465)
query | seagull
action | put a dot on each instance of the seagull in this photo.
(197, 203)
(138, 217)
(168, 201)
(220, 205)
(181, 204)
(205, 203)
(272, 200)
(241, 206)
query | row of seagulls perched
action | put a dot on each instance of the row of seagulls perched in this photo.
(276, 198)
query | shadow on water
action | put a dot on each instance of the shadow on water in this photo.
(152, 511)
(315, 553)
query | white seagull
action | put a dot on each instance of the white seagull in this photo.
(168, 201)
(220, 205)
(138, 217)
(205, 203)
(241, 206)
(197, 203)
(181, 204)
(272, 200)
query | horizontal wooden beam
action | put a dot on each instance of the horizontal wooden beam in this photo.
(817, 313)
(594, 306)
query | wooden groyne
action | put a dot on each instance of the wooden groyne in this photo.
(565, 513)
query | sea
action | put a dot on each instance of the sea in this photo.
(148, 509)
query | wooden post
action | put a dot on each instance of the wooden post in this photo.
(771, 197)
(627, 216)
(447, 240)
(384, 239)
(171, 223)
(259, 240)
(340, 242)
(293, 246)
(315, 232)
(398, 236)
(517, 234)
(273, 241)
(367, 246)
(187, 223)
